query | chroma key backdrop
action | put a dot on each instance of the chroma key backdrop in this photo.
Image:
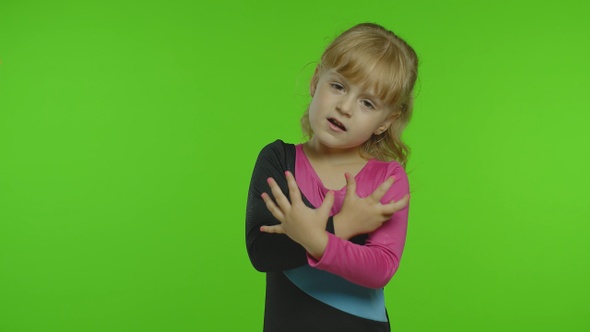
(129, 130)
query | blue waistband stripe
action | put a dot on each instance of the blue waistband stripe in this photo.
(340, 293)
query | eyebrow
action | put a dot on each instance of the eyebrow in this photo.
(347, 81)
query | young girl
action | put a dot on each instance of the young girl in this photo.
(326, 220)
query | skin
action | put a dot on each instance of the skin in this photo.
(334, 151)
(358, 110)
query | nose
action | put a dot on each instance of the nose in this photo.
(345, 106)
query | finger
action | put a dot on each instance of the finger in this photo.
(294, 193)
(280, 198)
(393, 207)
(272, 207)
(382, 189)
(274, 229)
(327, 203)
(350, 185)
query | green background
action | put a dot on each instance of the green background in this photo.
(129, 129)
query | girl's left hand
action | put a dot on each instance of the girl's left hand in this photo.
(302, 224)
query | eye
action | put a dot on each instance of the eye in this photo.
(368, 104)
(337, 86)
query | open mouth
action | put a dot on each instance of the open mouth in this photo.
(337, 123)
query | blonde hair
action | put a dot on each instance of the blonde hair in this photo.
(375, 58)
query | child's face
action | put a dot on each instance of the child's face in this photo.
(343, 115)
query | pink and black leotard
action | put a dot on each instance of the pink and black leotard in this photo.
(343, 291)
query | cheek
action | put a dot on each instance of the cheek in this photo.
(314, 109)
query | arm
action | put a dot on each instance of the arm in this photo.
(271, 252)
(373, 264)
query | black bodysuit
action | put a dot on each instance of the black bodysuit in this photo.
(289, 308)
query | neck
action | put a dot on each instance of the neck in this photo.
(317, 150)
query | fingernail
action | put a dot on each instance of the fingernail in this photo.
(287, 173)
(268, 180)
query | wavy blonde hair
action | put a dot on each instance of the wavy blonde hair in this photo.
(375, 58)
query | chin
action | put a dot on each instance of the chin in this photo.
(335, 143)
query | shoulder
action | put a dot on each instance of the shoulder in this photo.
(378, 171)
(276, 145)
(277, 154)
(277, 148)
(384, 169)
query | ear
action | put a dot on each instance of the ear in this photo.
(314, 81)
(386, 123)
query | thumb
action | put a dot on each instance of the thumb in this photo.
(350, 185)
(327, 203)
(275, 229)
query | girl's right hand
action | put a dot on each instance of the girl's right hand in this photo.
(364, 215)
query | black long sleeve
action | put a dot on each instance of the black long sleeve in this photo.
(272, 252)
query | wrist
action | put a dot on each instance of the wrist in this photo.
(341, 227)
(316, 246)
